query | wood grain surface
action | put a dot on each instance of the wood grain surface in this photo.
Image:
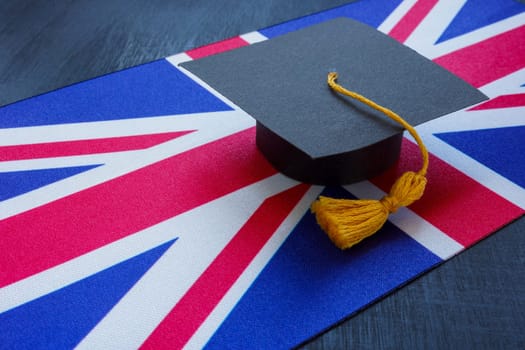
(474, 301)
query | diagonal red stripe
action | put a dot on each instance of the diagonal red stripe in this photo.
(195, 306)
(411, 19)
(49, 235)
(218, 47)
(488, 60)
(453, 202)
(81, 147)
(504, 101)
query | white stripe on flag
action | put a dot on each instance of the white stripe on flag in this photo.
(228, 302)
(214, 126)
(396, 15)
(412, 224)
(253, 37)
(139, 312)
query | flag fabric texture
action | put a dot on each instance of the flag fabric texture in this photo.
(136, 211)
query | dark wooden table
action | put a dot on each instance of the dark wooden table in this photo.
(476, 300)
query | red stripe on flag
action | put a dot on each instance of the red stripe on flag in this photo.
(81, 147)
(453, 202)
(504, 101)
(411, 19)
(218, 47)
(488, 60)
(199, 301)
(49, 235)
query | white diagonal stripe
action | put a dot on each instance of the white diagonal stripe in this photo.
(218, 126)
(412, 224)
(140, 311)
(228, 302)
(396, 15)
(253, 37)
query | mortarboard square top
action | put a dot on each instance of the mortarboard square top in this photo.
(309, 132)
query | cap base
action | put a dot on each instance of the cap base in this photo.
(340, 169)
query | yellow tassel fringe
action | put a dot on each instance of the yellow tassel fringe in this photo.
(347, 222)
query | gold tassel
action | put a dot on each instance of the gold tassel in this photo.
(347, 222)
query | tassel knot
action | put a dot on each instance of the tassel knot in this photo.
(347, 222)
(390, 203)
(405, 191)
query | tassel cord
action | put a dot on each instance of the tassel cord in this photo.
(332, 77)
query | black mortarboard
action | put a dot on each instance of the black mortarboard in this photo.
(309, 132)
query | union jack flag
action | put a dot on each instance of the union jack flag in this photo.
(136, 211)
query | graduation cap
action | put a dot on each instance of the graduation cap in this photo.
(311, 131)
